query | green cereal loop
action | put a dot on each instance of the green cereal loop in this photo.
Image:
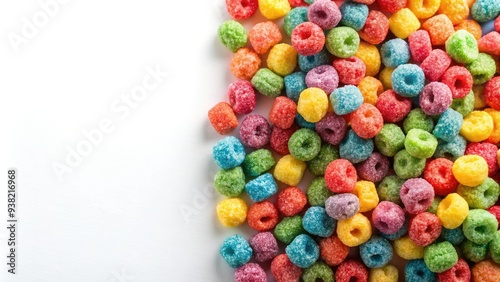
(231, 182)
(342, 42)
(416, 118)
(474, 252)
(420, 143)
(268, 83)
(318, 193)
(388, 189)
(319, 271)
(462, 47)
(288, 229)
(482, 69)
(258, 162)
(434, 206)
(480, 226)
(304, 144)
(482, 196)
(464, 105)
(407, 166)
(326, 155)
(494, 247)
(232, 35)
(390, 140)
(440, 257)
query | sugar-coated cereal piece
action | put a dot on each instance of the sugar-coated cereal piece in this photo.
(295, 83)
(470, 170)
(264, 246)
(297, 3)
(274, 9)
(480, 226)
(289, 170)
(326, 155)
(350, 70)
(370, 56)
(331, 128)
(302, 122)
(439, 174)
(391, 6)
(318, 193)
(482, 196)
(303, 251)
(388, 273)
(231, 182)
(342, 206)
(367, 121)
(250, 272)
(282, 59)
(354, 148)
(482, 69)
(424, 229)
(355, 230)
(440, 28)
(472, 27)
(318, 271)
(407, 166)
(465, 105)
(474, 252)
(420, 45)
(388, 217)
(497, 24)
(495, 210)
(255, 131)
(241, 97)
(452, 211)
(462, 47)
(486, 271)
(403, 23)
(489, 43)
(440, 257)
(245, 63)
(222, 118)
(485, 10)
(232, 212)
(242, 9)
(376, 28)
(307, 63)
(341, 176)
(236, 251)
(486, 150)
(324, 77)
(456, 10)
(232, 35)
(332, 250)
(423, 9)
(283, 270)
(229, 153)
(395, 52)
(407, 249)
(435, 203)
(390, 139)
(477, 126)
(308, 39)
(325, 14)
(288, 228)
(417, 271)
(367, 195)
(376, 252)
(388, 189)
(400, 233)
(494, 247)
(353, 14)
(495, 115)
(459, 80)
(448, 125)
(435, 64)
(492, 93)
(261, 187)
(304, 144)
(263, 36)
(342, 42)
(268, 83)
(291, 201)
(417, 195)
(373, 169)
(295, 17)
(283, 112)
(408, 80)
(279, 139)
(385, 77)
(317, 222)
(420, 143)
(351, 270)
(451, 150)
(346, 99)
(454, 236)
(417, 119)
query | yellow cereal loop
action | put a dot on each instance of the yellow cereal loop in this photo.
(289, 170)
(354, 231)
(452, 211)
(388, 273)
(477, 126)
(370, 55)
(456, 10)
(407, 249)
(495, 134)
(385, 78)
(312, 104)
(479, 102)
(274, 9)
(424, 9)
(403, 23)
(367, 194)
(470, 170)
(232, 212)
(370, 88)
(282, 59)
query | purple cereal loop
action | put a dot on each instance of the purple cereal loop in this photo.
(332, 128)
(255, 131)
(342, 206)
(250, 272)
(264, 245)
(388, 217)
(417, 195)
(324, 13)
(374, 168)
(324, 77)
(435, 98)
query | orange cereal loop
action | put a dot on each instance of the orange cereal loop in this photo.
(370, 88)
(440, 29)
(245, 63)
(456, 10)
(472, 27)
(222, 118)
(495, 135)
(263, 36)
(424, 9)
(486, 271)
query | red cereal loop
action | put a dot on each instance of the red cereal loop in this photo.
(489, 153)
(222, 118)
(460, 272)
(393, 107)
(242, 9)
(350, 70)
(420, 45)
(497, 24)
(495, 210)
(341, 176)
(376, 27)
(425, 228)
(391, 6)
(297, 3)
(291, 201)
(283, 112)
(333, 251)
(435, 64)
(492, 93)
(439, 174)
(279, 139)
(367, 121)
(284, 270)
(262, 216)
(308, 39)
(263, 36)
(489, 43)
(351, 270)
(241, 96)
(459, 80)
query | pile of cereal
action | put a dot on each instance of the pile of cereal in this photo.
(393, 106)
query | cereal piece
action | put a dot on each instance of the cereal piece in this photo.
(400, 233)
(354, 231)
(452, 211)
(417, 119)
(489, 43)
(307, 63)
(373, 169)
(472, 27)
(470, 170)
(424, 9)
(331, 128)
(440, 257)
(435, 203)
(291, 201)
(222, 118)
(454, 236)
(242, 9)
(231, 182)
(486, 271)
(448, 125)
(459, 80)
(367, 195)
(492, 93)
(264, 246)
(495, 210)
(376, 252)
(456, 10)
(268, 83)
(241, 97)
(341, 176)
(388, 273)
(462, 47)
(480, 226)
(319, 270)
(353, 15)
(417, 195)
(420, 45)
(255, 131)
(435, 65)
(289, 170)
(482, 196)
(420, 143)
(263, 36)
(308, 39)
(232, 212)
(391, 6)
(288, 228)
(333, 251)
(279, 139)
(297, 3)
(324, 77)
(318, 193)
(482, 69)
(395, 52)
(497, 24)
(282, 59)
(367, 121)
(388, 217)
(403, 23)
(228, 153)
(495, 135)
(342, 42)
(236, 251)
(325, 14)
(354, 148)
(440, 28)
(274, 9)
(284, 270)
(250, 272)
(451, 150)
(346, 99)
(486, 150)
(303, 251)
(350, 70)
(388, 189)
(474, 252)
(317, 222)
(494, 247)
(283, 112)
(326, 155)
(375, 29)
(258, 162)
(407, 166)
(417, 271)
(408, 80)
(245, 63)
(385, 77)
(301, 122)
(477, 126)
(370, 88)
(261, 187)
(407, 249)
(465, 105)
(295, 83)
(351, 270)
(439, 174)
(342, 206)
(425, 228)
(390, 139)
(304, 145)
(485, 10)
(232, 35)
(295, 17)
